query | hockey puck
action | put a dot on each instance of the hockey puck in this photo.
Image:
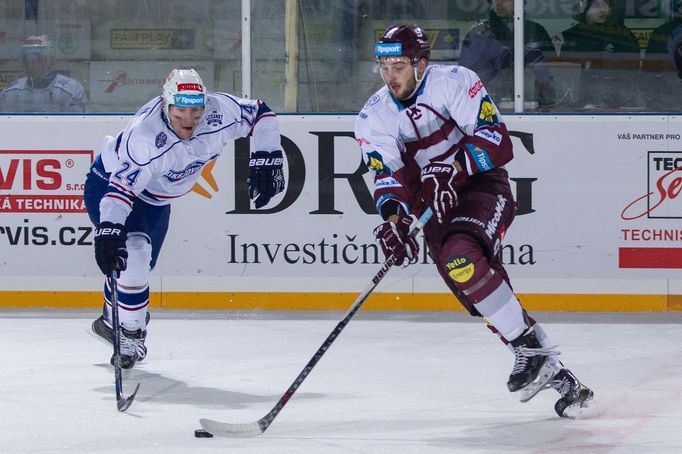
(202, 433)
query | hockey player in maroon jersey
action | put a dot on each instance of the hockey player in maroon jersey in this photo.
(433, 137)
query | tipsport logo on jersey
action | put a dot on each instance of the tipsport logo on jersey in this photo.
(43, 181)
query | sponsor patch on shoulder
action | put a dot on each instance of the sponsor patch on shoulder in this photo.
(371, 101)
(214, 118)
(376, 162)
(487, 115)
(161, 139)
(387, 182)
(491, 136)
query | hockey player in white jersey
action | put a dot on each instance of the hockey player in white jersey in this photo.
(434, 138)
(42, 89)
(158, 157)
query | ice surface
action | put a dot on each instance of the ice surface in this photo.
(391, 383)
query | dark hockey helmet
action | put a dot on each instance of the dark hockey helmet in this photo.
(404, 41)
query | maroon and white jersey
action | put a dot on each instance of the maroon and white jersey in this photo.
(451, 119)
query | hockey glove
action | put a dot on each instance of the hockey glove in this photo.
(265, 176)
(438, 186)
(395, 240)
(110, 247)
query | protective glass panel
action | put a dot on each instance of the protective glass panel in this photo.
(317, 55)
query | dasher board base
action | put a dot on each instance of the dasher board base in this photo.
(343, 300)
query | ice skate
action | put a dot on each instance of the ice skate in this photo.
(132, 342)
(102, 328)
(533, 368)
(577, 400)
(132, 348)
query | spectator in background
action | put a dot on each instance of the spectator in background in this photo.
(608, 53)
(43, 89)
(488, 50)
(661, 67)
(675, 51)
(657, 49)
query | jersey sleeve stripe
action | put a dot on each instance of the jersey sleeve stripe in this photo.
(159, 197)
(118, 197)
(121, 189)
(259, 118)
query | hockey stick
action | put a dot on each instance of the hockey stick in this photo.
(121, 402)
(260, 426)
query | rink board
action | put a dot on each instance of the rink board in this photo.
(597, 226)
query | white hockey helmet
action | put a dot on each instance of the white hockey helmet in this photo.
(38, 45)
(184, 87)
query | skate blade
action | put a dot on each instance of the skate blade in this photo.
(547, 372)
(99, 338)
(582, 410)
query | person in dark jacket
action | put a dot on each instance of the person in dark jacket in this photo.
(608, 53)
(657, 48)
(488, 50)
(662, 65)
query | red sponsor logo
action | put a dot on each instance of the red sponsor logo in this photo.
(43, 181)
(473, 91)
(119, 78)
(190, 87)
(665, 184)
(362, 141)
(650, 257)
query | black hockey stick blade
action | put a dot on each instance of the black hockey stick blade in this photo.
(124, 402)
(258, 427)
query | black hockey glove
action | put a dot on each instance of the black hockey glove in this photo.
(266, 178)
(110, 247)
(438, 186)
(395, 240)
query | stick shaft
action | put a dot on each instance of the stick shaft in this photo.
(262, 424)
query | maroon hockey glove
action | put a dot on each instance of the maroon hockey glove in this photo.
(438, 186)
(395, 241)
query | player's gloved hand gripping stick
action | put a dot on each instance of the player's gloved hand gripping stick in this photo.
(260, 426)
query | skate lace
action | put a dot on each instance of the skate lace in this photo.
(523, 353)
(563, 387)
(130, 347)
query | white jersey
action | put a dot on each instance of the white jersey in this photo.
(147, 160)
(55, 93)
(451, 119)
